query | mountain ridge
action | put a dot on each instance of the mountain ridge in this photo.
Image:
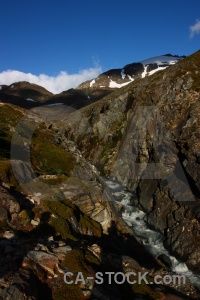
(30, 95)
(116, 78)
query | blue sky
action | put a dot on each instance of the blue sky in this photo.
(82, 38)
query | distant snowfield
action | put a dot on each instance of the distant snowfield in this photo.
(160, 60)
(162, 63)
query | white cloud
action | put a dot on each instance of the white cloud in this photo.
(195, 29)
(55, 84)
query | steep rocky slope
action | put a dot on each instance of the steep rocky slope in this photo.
(152, 120)
(27, 90)
(58, 215)
(79, 98)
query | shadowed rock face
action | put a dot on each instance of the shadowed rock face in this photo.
(79, 98)
(122, 139)
(27, 90)
(61, 216)
(28, 96)
(24, 94)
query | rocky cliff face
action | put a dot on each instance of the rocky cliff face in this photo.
(56, 212)
(153, 120)
(58, 216)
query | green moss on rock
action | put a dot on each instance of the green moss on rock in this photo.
(48, 158)
(75, 262)
(4, 226)
(69, 221)
(7, 175)
(24, 218)
(65, 291)
(9, 117)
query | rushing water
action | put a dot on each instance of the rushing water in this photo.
(152, 240)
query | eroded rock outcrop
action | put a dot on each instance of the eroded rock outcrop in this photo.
(63, 217)
(152, 121)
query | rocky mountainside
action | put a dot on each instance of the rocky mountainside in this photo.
(24, 94)
(152, 120)
(93, 90)
(57, 213)
(78, 98)
(26, 90)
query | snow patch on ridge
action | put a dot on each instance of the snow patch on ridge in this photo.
(145, 73)
(114, 84)
(156, 70)
(129, 76)
(160, 60)
(92, 82)
(122, 74)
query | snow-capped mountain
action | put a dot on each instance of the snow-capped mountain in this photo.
(117, 78)
(28, 95)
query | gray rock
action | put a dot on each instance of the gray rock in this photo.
(46, 261)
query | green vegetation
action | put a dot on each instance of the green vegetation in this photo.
(9, 117)
(47, 157)
(93, 260)
(25, 130)
(54, 180)
(146, 291)
(68, 291)
(75, 262)
(24, 218)
(62, 227)
(4, 226)
(6, 174)
(69, 221)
